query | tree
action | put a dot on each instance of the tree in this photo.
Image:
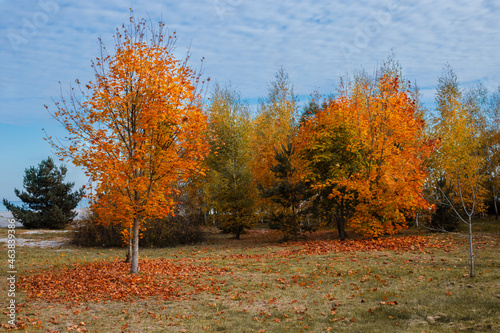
(288, 191)
(193, 201)
(231, 183)
(389, 131)
(330, 158)
(273, 125)
(462, 130)
(48, 201)
(461, 157)
(138, 130)
(366, 149)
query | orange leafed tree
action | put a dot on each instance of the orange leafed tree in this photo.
(273, 126)
(393, 152)
(381, 172)
(137, 131)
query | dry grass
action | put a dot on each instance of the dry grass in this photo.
(275, 287)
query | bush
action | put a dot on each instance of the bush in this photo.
(444, 218)
(171, 231)
(90, 234)
(159, 233)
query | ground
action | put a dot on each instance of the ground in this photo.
(414, 282)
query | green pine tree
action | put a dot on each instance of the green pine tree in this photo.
(287, 191)
(47, 201)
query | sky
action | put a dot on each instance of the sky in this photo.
(45, 45)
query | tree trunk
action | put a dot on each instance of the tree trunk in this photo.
(134, 265)
(340, 227)
(495, 203)
(341, 222)
(496, 209)
(238, 227)
(471, 250)
(129, 247)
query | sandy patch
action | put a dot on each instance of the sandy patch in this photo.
(36, 242)
(4, 219)
(30, 232)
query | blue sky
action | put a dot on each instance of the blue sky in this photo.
(44, 42)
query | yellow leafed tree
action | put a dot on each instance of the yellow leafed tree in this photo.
(273, 127)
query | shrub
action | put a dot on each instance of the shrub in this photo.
(444, 218)
(170, 231)
(90, 234)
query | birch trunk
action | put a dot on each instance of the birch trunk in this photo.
(471, 250)
(134, 266)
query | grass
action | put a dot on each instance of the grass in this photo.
(285, 287)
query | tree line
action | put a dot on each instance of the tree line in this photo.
(369, 158)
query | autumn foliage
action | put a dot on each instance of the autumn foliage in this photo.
(107, 281)
(460, 161)
(273, 127)
(366, 148)
(137, 132)
(231, 195)
(366, 161)
(359, 160)
(183, 278)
